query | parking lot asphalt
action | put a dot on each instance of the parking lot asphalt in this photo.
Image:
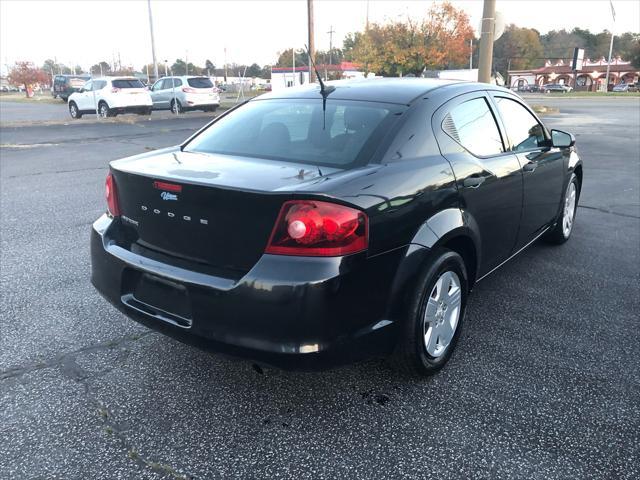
(545, 382)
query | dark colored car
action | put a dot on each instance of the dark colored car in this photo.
(555, 88)
(304, 230)
(65, 85)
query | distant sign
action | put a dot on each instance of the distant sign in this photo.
(578, 59)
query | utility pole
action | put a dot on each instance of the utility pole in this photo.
(225, 64)
(186, 62)
(311, 42)
(486, 41)
(330, 32)
(153, 43)
(471, 54)
(606, 80)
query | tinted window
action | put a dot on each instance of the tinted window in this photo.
(294, 130)
(472, 125)
(202, 82)
(524, 131)
(127, 83)
(99, 84)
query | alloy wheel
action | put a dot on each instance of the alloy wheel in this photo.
(442, 313)
(103, 111)
(569, 210)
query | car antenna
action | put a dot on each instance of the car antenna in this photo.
(324, 90)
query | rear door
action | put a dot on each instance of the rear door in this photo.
(488, 176)
(542, 166)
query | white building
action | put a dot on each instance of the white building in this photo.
(283, 77)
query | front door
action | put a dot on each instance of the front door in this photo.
(542, 167)
(159, 94)
(488, 176)
(83, 99)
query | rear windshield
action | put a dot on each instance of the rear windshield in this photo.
(202, 82)
(128, 83)
(345, 135)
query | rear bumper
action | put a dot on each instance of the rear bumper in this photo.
(290, 312)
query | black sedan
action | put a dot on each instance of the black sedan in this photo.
(311, 226)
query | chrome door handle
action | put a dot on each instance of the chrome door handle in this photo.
(530, 167)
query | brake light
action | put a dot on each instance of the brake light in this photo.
(112, 198)
(169, 187)
(189, 90)
(115, 90)
(318, 229)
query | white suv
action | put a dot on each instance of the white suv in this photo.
(185, 93)
(110, 96)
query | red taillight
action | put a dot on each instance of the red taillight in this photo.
(189, 90)
(318, 229)
(112, 198)
(169, 187)
(115, 90)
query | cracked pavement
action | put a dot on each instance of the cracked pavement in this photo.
(545, 382)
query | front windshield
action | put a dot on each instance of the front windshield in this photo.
(295, 131)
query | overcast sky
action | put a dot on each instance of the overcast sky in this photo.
(85, 32)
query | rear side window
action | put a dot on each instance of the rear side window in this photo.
(99, 84)
(202, 82)
(472, 125)
(127, 83)
(523, 130)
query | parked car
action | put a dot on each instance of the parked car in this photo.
(65, 85)
(180, 94)
(308, 228)
(625, 87)
(4, 88)
(110, 96)
(555, 87)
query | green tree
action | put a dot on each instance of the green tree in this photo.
(179, 67)
(285, 58)
(517, 49)
(104, 68)
(253, 70)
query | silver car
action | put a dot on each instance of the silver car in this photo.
(183, 93)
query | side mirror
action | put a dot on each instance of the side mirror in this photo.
(562, 139)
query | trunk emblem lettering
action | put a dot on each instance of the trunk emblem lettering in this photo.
(171, 214)
(204, 222)
(156, 211)
(168, 196)
(144, 208)
(187, 218)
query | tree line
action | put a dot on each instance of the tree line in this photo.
(446, 40)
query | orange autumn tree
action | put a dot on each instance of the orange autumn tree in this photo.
(408, 47)
(26, 74)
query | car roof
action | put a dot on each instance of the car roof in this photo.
(385, 90)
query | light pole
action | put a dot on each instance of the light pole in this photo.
(153, 43)
(311, 42)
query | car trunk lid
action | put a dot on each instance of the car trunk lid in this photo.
(213, 209)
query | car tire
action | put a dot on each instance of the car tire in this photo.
(434, 316)
(104, 111)
(74, 111)
(176, 106)
(561, 232)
